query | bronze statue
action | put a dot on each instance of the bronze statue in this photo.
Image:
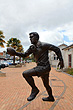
(40, 52)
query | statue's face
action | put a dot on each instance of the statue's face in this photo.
(33, 39)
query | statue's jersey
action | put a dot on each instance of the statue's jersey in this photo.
(40, 52)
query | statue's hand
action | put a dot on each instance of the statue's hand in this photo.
(61, 63)
(11, 51)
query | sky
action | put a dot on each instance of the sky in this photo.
(52, 19)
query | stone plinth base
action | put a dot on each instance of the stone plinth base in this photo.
(2, 74)
(15, 66)
(59, 70)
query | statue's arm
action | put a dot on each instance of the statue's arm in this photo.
(25, 54)
(12, 52)
(58, 53)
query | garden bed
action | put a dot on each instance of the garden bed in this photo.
(69, 71)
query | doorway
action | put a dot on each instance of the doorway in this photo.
(69, 60)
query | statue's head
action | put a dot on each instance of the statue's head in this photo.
(34, 37)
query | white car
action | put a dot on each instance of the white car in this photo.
(4, 62)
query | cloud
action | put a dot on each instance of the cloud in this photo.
(48, 18)
(53, 37)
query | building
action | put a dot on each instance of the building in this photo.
(67, 53)
(68, 56)
(3, 54)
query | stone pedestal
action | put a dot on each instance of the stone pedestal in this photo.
(2, 74)
(15, 66)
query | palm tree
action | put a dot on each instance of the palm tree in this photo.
(14, 43)
(1, 39)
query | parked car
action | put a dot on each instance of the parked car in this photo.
(2, 65)
(6, 63)
(17, 62)
(10, 62)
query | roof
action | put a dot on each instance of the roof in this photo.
(1, 53)
(62, 45)
(68, 47)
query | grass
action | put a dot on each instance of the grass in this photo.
(69, 71)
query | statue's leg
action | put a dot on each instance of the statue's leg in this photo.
(28, 77)
(45, 79)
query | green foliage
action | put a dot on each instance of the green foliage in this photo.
(20, 48)
(16, 44)
(1, 39)
(32, 58)
(1, 32)
(70, 71)
(13, 42)
(58, 68)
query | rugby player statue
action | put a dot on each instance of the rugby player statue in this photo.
(40, 52)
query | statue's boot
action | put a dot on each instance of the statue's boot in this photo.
(51, 99)
(33, 94)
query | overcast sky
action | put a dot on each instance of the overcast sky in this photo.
(52, 19)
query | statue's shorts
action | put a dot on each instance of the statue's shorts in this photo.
(38, 71)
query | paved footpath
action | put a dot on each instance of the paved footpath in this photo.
(14, 91)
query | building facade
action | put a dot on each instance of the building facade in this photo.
(3, 54)
(68, 56)
(67, 53)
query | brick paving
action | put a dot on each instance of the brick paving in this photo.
(14, 91)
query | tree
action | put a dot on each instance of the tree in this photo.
(1, 39)
(20, 48)
(32, 58)
(14, 43)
